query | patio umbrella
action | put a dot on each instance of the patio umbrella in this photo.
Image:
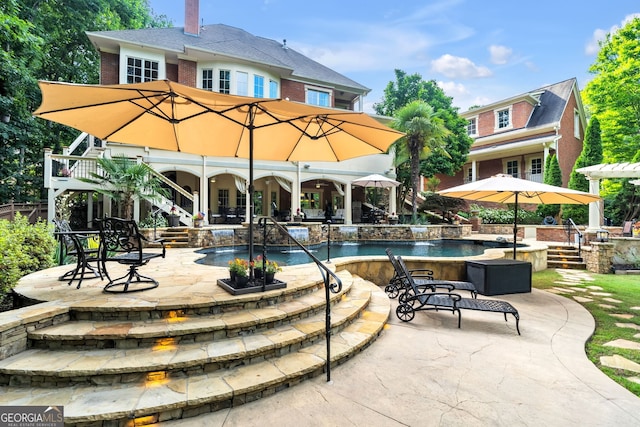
(377, 181)
(504, 188)
(170, 116)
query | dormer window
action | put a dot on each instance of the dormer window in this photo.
(503, 119)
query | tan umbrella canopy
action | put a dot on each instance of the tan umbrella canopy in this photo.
(504, 188)
(167, 115)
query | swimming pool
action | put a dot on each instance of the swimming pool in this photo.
(292, 255)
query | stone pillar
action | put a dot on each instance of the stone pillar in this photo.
(600, 259)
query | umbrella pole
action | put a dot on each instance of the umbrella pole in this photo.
(251, 119)
(515, 226)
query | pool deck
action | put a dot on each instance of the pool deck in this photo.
(426, 372)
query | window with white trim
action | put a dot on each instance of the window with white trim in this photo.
(468, 174)
(512, 168)
(318, 97)
(472, 126)
(141, 70)
(224, 81)
(503, 118)
(576, 124)
(207, 79)
(258, 86)
(242, 83)
(223, 198)
(536, 170)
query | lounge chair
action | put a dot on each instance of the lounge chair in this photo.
(417, 299)
(423, 278)
(121, 241)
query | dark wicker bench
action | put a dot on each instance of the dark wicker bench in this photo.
(416, 299)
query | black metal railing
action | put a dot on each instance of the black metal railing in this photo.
(327, 275)
(570, 228)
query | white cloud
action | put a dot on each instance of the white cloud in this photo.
(592, 47)
(500, 54)
(456, 67)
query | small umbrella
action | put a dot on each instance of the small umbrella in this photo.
(375, 180)
(503, 188)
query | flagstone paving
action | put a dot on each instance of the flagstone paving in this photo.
(572, 279)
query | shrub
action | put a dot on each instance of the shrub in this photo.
(24, 248)
(505, 216)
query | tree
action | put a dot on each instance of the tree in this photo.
(124, 180)
(591, 155)
(425, 134)
(46, 40)
(408, 88)
(552, 176)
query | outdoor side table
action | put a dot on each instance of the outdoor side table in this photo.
(499, 276)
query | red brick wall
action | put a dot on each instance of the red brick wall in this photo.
(172, 72)
(520, 114)
(569, 147)
(109, 68)
(187, 72)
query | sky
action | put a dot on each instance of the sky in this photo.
(478, 51)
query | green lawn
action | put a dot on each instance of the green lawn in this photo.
(625, 288)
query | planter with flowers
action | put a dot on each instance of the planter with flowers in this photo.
(198, 219)
(174, 219)
(240, 283)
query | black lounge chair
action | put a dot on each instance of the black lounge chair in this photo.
(416, 299)
(423, 278)
(121, 241)
(76, 244)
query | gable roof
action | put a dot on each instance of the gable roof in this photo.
(231, 42)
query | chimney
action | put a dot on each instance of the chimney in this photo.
(191, 17)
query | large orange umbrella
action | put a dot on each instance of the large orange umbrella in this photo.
(166, 115)
(503, 188)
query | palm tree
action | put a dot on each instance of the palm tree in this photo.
(124, 180)
(425, 134)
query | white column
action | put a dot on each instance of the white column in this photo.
(595, 217)
(392, 200)
(295, 191)
(348, 218)
(474, 175)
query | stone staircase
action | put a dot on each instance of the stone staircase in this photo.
(174, 237)
(564, 256)
(116, 366)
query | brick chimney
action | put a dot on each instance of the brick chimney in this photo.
(191, 17)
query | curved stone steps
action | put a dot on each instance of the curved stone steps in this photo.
(54, 368)
(189, 328)
(163, 397)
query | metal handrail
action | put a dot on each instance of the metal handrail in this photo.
(569, 227)
(327, 274)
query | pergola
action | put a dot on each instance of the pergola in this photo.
(597, 172)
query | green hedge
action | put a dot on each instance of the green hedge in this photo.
(505, 216)
(24, 248)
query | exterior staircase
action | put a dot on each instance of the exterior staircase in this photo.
(174, 237)
(565, 256)
(146, 364)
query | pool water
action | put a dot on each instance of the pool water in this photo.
(293, 255)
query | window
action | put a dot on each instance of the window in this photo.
(576, 124)
(468, 174)
(224, 82)
(223, 198)
(503, 119)
(472, 126)
(257, 202)
(241, 199)
(207, 79)
(512, 168)
(319, 98)
(141, 70)
(536, 166)
(242, 83)
(273, 89)
(258, 86)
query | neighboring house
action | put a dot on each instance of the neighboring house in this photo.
(516, 135)
(228, 60)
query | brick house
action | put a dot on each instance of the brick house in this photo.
(516, 135)
(229, 60)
